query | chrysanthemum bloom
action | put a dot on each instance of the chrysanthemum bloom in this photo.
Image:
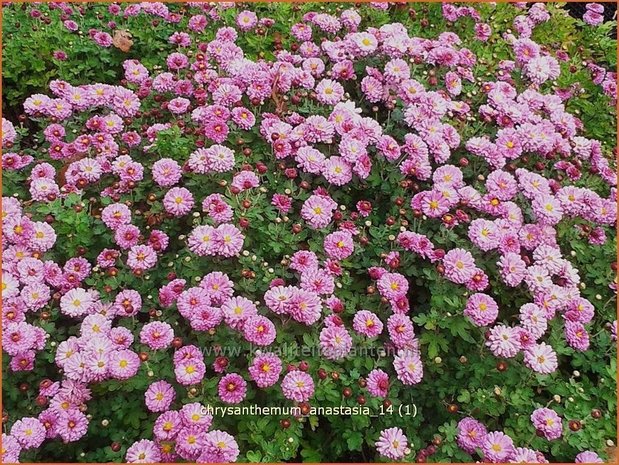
(192, 301)
(10, 449)
(335, 342)
(303, 261)
(547, 422)
(143, 451)
(481, 309)
(219, 159)
(298, 386)
(141, 257)
(76, 302)
(329, 92)
(401, 331)
(576, 335)
(497, 447)
(337, 171)
(245, 180)
(277, 297)
(282, 202)
(178, 201)
(18, 337)
(408, 366)
(392, 285)
(128, 302)
(541, 358)
(232, 388)
(127, 236)
(227, 240)
(236, 310)
(367, 323)
(471, 433)
(459, 266)
(339, 245)
(265, 369)
(189, 372)
(525, 455)
(319, 281)
(29, 432)
(167, 425)
(243, 118)
(159, 396)
(219, 447)
(392, 443)
(484, 234)
(259, 330)
(304, 306)
(218, 286)
(378, 383)
(217, 208)
(157, 335)
(123, 364)
(72, 425)
(246, 20)
(504, 341)
(512, 268)
(194, 414)
(588, 457)
(533, 319)
(200, 240)
(310, 160)
(166, 172)
(318, 211)
(190, 442)
(115, 215)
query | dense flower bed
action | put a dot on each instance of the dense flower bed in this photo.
(398, 219)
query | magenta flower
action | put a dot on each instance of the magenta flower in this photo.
(392, 443)
(232, 388)
(298, 386)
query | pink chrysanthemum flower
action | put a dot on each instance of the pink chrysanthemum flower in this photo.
(265, 370)
(143, 451)
(392, 285)
(227, 240)
(367, 323)
(298, 386)
(335, 342)
(497, 447)
(159, 396)
(459, 266)
(189, 372)
(178, 201)
(237, 310)
(219, 447)
(408, 366)
(392, 443)
(166, 172)
(541, 358)
(194, 414)
(259, 330)
(123, 364)
(547, 422)
(481, 309)
(141, 257)
(339, 245)
(29, 432)
(471, 433)
(329, 92)
(232, 388)
(378, 383)
(504, 341)
(157, 335)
